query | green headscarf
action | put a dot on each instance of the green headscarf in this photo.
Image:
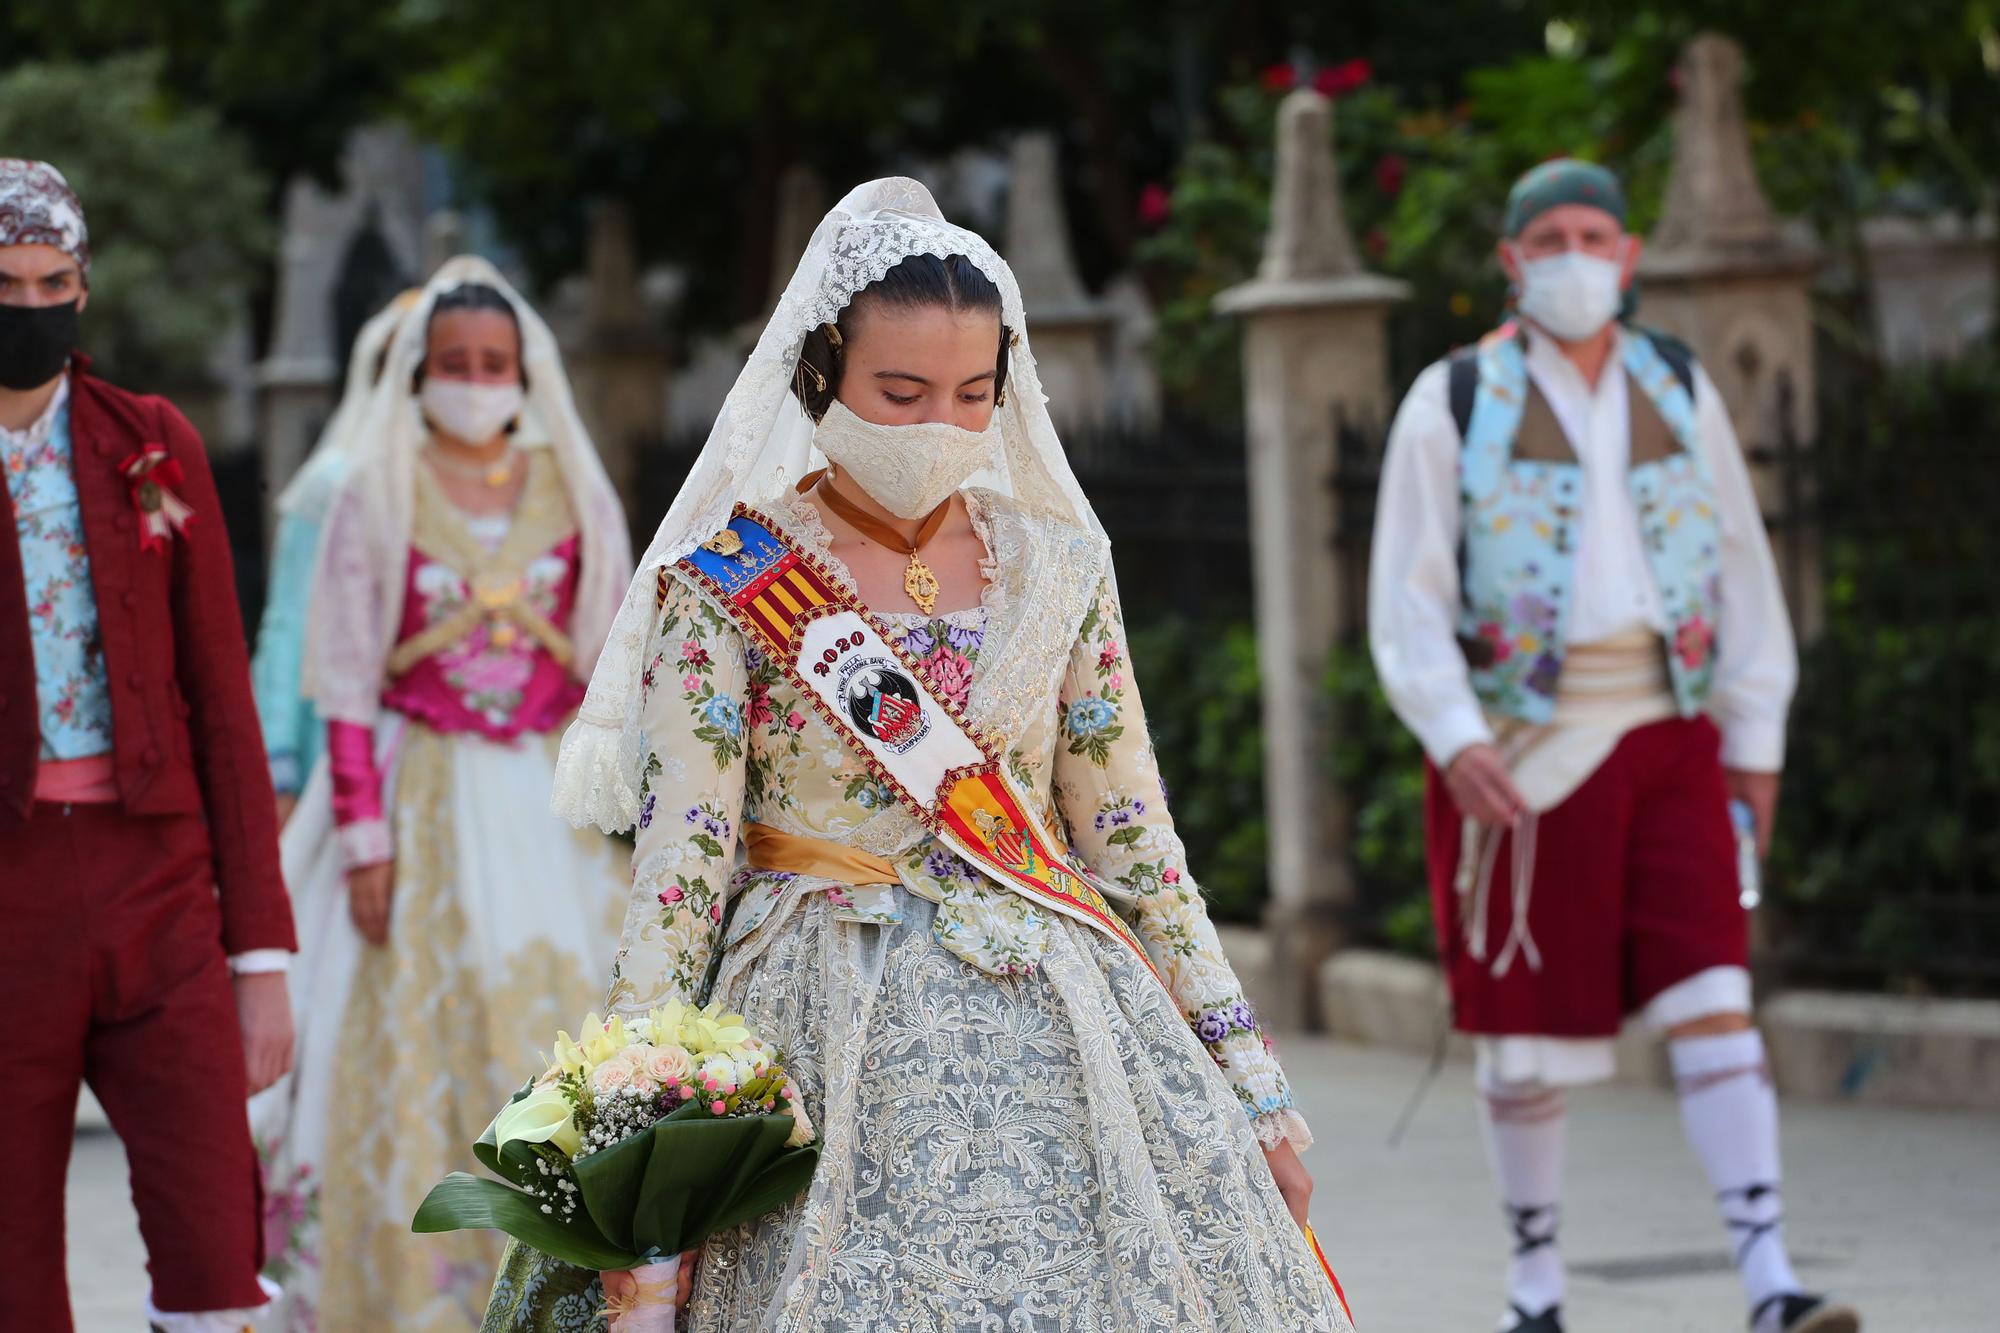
(1563, 180)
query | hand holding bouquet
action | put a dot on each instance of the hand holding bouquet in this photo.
(641, 1140)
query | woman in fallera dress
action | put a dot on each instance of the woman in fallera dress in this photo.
(471, 565)
(1043, 1099)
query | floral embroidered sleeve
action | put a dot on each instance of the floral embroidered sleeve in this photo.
(692, 692)
(1107, 783)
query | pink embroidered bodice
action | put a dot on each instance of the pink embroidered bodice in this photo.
(498, 680)
(483, 647)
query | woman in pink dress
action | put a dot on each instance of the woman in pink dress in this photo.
(471, 566)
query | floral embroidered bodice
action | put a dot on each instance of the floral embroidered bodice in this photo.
(487, 672)
(72, 691)
(1041, 663)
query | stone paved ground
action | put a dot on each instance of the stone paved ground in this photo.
(1898, 1209)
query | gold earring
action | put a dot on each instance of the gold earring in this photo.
(808, 368)
(833, 337)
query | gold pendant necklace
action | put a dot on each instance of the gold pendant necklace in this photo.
(494, 474)
(919, 581)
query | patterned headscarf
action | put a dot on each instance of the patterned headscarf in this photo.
(37, 207)
(1564, 180)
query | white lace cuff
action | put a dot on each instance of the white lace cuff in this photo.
(365, 842)
(1276, 1127)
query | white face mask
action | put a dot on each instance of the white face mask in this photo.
(908, 470)
(471, 412)
(1572, 294)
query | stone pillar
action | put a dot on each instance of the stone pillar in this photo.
(619, 372)
(1722, 273)
(298, 379)
(1070, 330)
(1314, 355)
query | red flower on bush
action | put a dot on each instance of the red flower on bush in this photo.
(1279, 78)
(1156, 204)
(1389, 170)
(1349, 76)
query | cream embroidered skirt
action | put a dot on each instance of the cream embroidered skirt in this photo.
(1052, 1152)
(501, 931)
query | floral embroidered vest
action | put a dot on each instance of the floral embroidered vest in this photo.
(1520, 491)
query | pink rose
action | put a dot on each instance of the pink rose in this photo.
(615, 1074)
(715, 912)
(1171, 875)
(668, 1066)
(672, 894)
(796, 721)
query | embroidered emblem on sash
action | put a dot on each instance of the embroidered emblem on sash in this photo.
(946, 774)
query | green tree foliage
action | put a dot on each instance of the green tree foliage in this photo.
(175, 208)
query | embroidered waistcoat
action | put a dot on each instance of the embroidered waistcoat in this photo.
(72, 691)
(1521, 493)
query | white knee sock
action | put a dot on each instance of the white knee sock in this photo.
(1731, 1114)
(1525, 1125)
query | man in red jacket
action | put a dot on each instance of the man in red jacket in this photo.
(146, 924)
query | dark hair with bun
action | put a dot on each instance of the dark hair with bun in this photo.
(470, 296)
(919, 282)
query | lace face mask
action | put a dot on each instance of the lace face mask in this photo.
(908, 470)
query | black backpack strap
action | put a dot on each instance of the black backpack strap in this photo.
(1463, 367)
(1678, 356)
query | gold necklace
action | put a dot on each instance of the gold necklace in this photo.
(494, 474)
(918, 580)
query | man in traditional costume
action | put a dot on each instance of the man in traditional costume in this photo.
(1574, 607)
(147, 926)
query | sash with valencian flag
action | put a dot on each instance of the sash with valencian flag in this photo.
(945, 774)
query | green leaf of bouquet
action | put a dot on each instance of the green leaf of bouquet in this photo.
(462, 1202)
(689, 1176)
(783, 1179)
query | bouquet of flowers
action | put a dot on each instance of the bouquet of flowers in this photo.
(642, 1139)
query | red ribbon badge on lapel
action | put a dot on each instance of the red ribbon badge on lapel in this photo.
(150, 475)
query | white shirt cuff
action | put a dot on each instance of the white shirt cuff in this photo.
(1450, 732)
(1753, 745)
(258, 961)
(365, 843)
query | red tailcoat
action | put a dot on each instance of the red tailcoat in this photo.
(185, 734)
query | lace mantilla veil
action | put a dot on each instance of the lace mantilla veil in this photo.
(357, 602)
(761, 445)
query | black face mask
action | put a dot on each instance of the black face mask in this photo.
(35, 343)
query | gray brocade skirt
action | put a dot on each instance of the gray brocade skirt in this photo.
(1052, 1152)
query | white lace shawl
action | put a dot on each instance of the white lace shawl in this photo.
(761, 444)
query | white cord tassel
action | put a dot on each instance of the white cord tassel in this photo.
(1477, 853)
(1519, 939)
